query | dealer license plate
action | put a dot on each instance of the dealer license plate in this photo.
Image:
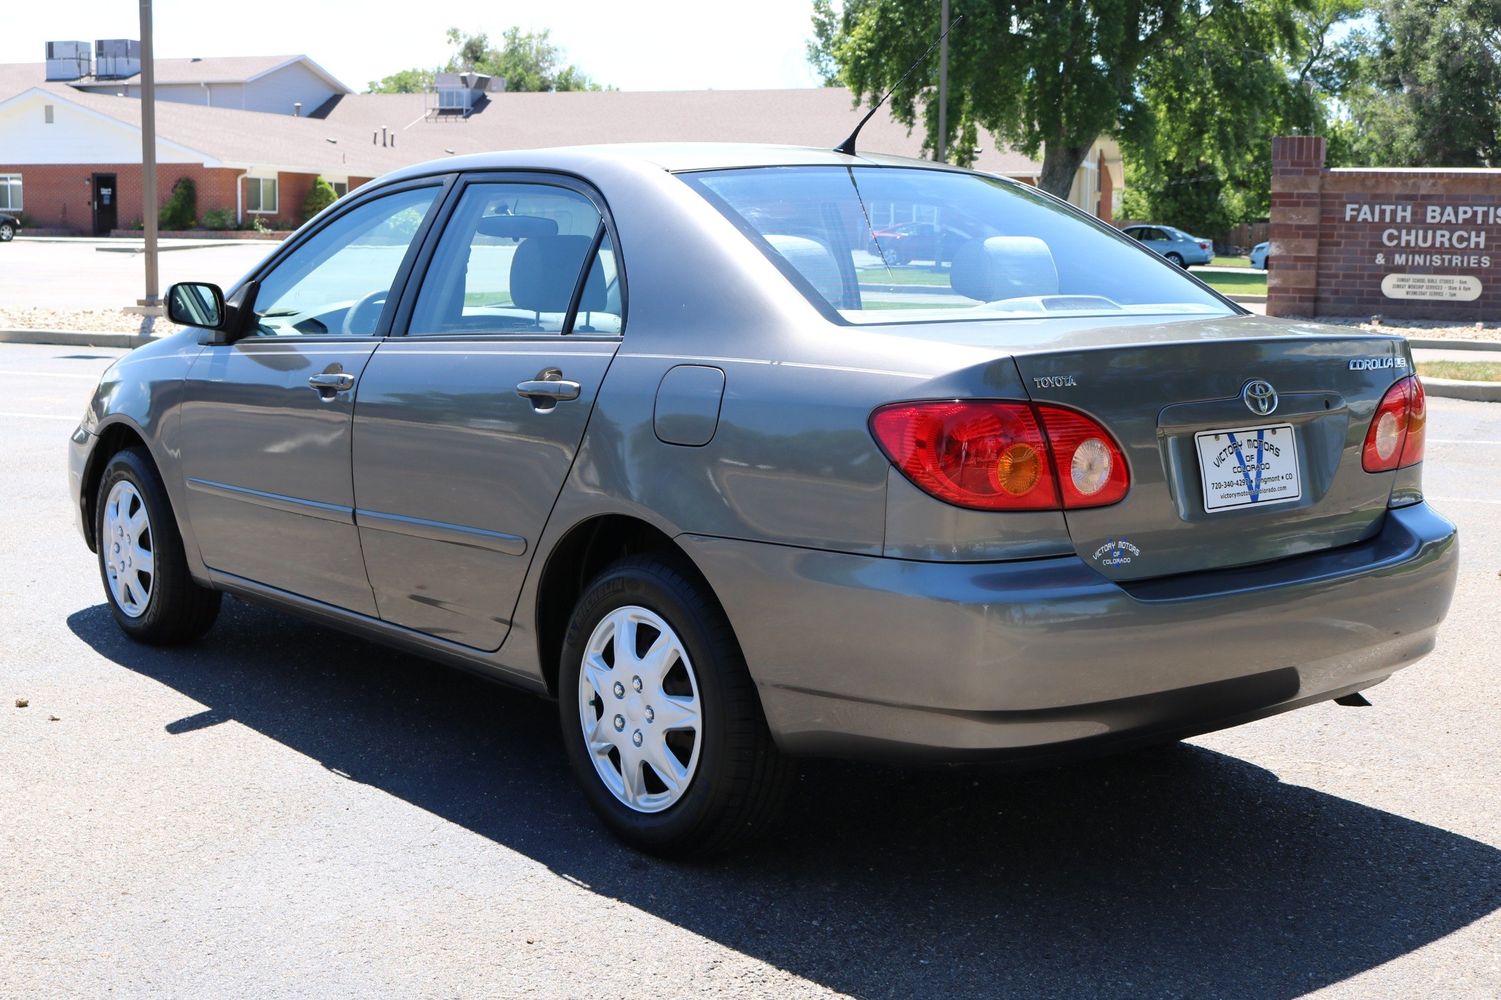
(1248, 466)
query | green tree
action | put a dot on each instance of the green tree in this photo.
(821, 45)
(528, 60)
(319, 196)
(1211, 102)
(180, 210)
(1040, 75)
(1430, 91)
(407, 81)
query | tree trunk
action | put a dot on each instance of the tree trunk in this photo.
(1060, 162)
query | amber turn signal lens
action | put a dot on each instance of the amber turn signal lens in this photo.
(1018, 470)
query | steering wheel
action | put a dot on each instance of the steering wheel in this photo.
(358, 320)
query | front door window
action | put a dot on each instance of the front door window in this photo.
(337, 283)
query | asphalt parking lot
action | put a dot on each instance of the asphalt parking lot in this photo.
(284, 810)
(44, 273)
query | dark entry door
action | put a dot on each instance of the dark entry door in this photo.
(106, 209)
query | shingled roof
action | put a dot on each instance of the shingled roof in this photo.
(343, 136)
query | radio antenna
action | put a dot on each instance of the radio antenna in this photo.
(847, 147)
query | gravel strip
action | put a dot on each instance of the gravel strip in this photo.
(1435, 329)
(85, 321)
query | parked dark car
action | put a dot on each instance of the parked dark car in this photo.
(631, 427)
(9, 227)
(910, 241)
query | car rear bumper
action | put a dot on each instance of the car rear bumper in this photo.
(869, 656)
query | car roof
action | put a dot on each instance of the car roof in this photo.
(673, 157)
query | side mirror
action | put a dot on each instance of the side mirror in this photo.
(195, 303)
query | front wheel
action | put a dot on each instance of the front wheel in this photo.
(660, 717)
(7, 232)
(151, 594)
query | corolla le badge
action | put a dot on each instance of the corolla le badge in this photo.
(1376, 364)
(1260, 398)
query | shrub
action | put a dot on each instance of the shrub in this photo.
(181, 208)
(319, 196)
(218, 218)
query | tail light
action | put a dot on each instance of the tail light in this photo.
(1396, 436)
(1203, 245)
(1003, 455)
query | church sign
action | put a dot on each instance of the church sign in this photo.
(1423, 244)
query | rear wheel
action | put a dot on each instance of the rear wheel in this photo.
(1176, 259)
(141, 561)
(7, 232)
(660, 717)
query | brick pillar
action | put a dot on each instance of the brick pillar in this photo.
(1297, 180)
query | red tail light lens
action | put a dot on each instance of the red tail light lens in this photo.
(1398, 428)
(1002, 455)
(1091, 467)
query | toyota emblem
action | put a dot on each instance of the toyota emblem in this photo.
(1260, 398)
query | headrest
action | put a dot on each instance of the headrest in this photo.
(516, 227)
(545, 270)
(814, 261)
(1004, 267)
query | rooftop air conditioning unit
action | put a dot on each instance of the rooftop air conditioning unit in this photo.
(68, 60)
(116, 58)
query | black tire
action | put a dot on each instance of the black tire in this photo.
(7, 232)
(176, 609)
(742, 782)
(1177, 260)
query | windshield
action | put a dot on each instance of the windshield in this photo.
(894, 244)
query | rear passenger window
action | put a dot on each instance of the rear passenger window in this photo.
(510, 260)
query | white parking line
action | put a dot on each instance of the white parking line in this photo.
(1459, 441)
(37, 416)
(1495, 503)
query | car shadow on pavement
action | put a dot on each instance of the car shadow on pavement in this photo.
(1174, 872)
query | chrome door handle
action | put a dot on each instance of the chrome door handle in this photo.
(548, 389)
(328, 383)
(553, 389)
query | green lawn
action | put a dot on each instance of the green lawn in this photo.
(1468, 371)
(1231, 262)
(902, 275)
(1251, 283)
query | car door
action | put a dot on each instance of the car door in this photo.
(467, 426)
(266, 420)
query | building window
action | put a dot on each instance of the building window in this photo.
(10, 192)
(260, 195)
(341, 188)
(47, 113)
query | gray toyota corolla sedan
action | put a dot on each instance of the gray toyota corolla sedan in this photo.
(652, 431)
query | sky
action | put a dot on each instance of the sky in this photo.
(632, 44)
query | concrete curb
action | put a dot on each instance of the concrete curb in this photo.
(1249, 299)
(70, 338)
(1449, 388)
(1434, 344)
(200, 245)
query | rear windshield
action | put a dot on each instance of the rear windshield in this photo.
(893, 244)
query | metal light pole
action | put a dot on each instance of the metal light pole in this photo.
(148, 155)
(943, 84)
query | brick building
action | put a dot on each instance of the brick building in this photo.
(70, 148)
(1407, 243)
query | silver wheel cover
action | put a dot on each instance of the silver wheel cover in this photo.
(127, 548)
(639, 709)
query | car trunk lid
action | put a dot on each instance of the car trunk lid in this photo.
(1159, 399)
